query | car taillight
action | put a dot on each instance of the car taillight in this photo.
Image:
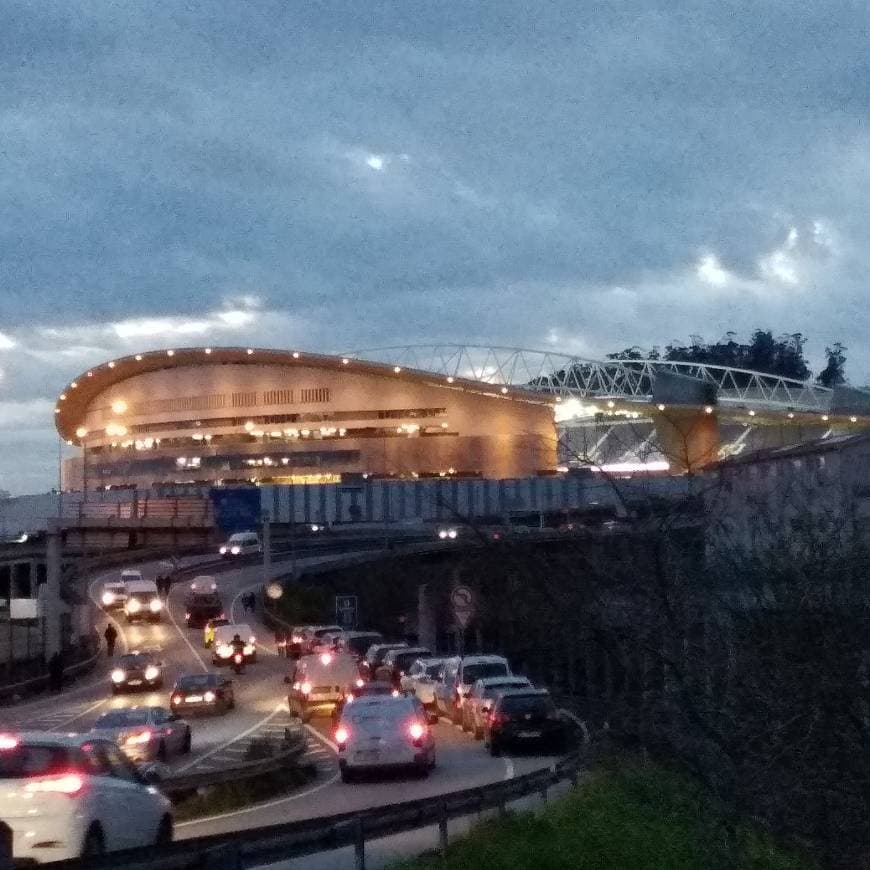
(305, 688)
(138, 738)
(70, 783)
(177, 699)
(325, 659)
(341, 736)
(187, 616)
(360, 683)
(209, 697)
(416, 730)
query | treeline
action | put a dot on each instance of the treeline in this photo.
(782, 356)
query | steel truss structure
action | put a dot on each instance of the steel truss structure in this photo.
(576, 377)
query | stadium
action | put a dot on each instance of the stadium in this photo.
(239, 415)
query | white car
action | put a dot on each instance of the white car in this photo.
(379, 732)
(143, 601)
(71, 796)
(481, 698)
(222, 643)
(459, 674)
(114, 595)
(420, 680)
(241, 544)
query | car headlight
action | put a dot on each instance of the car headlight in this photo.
(151, 672)
(108, 598)
(235, 550)
(209, 696)
(452, 534)
(156, 605)
(305, 688)
(248, 649)
(118, 676)
(442, 534)
(133, 605)
(224, 650)
(223, 551)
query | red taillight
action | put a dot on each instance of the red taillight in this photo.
(70, 783)
(177, 699)
(237, 658)
(341, 736)
(305, 688)
(416, 730)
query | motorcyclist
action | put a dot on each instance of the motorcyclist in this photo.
(238, 646)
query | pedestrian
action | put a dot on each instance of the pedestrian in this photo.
(281, 641)
(55, 672)
(111, 635)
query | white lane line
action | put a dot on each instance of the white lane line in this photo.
(238, 737)
(182, 635)
(312, 730)
(509, 768)
(77, 716)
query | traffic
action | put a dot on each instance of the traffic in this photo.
(189, 685)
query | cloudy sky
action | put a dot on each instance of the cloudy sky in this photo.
(337, 174)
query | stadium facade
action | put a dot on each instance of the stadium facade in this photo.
(241, 415)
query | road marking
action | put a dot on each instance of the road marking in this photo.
(183, 636)
(238, 737)
(312, 730)
(78, 716)
(509, 768)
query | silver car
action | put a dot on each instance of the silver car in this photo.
(145, 733)
(481, 698)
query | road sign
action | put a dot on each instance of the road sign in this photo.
(462, 599)
(346, 611)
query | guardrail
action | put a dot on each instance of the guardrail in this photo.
(257, 846)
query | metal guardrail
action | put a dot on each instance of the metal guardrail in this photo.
(256, 846)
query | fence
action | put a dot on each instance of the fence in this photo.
(258, 846)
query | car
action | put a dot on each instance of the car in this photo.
(362, 689)
(357, 643)
(145, 733)
(202, 602)
(326, 642)
(375, 655)
(457, 678)
(114, 595)
(202, 693)
(209, 629)
(76, 796)
(241, 544)
(131, 575)
(319, 683)
(136, 671)
(377, 733)
(398, 660)
(311, 634)
(524, 718)
(481, 698)
(420, 681)
(222, 645)
(143, 601)
(449, 533)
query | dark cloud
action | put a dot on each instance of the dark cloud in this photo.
(401, 171)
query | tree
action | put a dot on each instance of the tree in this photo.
(834, 372)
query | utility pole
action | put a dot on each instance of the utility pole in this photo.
(267, 548)
(51, 599)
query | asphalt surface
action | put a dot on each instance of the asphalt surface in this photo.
(261, 710)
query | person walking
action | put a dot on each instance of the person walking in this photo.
(55, 672)
(111, 635)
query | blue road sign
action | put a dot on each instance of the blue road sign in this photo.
(236, 510)
(346, 611)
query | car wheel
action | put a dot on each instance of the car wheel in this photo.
(164, 832)
(161, 752)
(185, 747)
(94, 845)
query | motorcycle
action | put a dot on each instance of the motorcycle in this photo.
(238, 663)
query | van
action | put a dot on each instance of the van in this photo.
(457, 677)
(143, 601)
(320, 682)
(131, 575)
(240, 544)
(222, 646)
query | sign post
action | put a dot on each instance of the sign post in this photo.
(462, 600)
(346, 611)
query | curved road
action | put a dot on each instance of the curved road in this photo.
(261, 709)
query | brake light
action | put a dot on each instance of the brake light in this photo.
(416, 730)
(341, 735)
(136, 739)
(177, 699)
(326, 659)
(7, 742)
(305, 688)
(209, 696)
(360, 683)
(70, 783)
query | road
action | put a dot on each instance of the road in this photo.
(261, 710)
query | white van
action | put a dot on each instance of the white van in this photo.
(241, 544)
(320, 682)
(131, 575)
(143, 601)
(222, 647)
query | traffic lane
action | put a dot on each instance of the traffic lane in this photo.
(460, 763)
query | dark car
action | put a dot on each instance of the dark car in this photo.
(200, 606)
(375, 656)
(202, 693)
(362, 691)
(137, 671)
(524, 718)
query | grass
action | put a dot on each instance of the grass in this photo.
(629, 817)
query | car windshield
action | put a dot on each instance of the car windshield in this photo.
(403, 661)
(115, 587)
(196, 681)
(122, 718)
(527, 704)
(472, 673)
(376, 656)
(143, 596)
(203, 599)
(360, 644)
(433, 670)
(215, 623)
(26, 760)
(138, 660)
(492, 691)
